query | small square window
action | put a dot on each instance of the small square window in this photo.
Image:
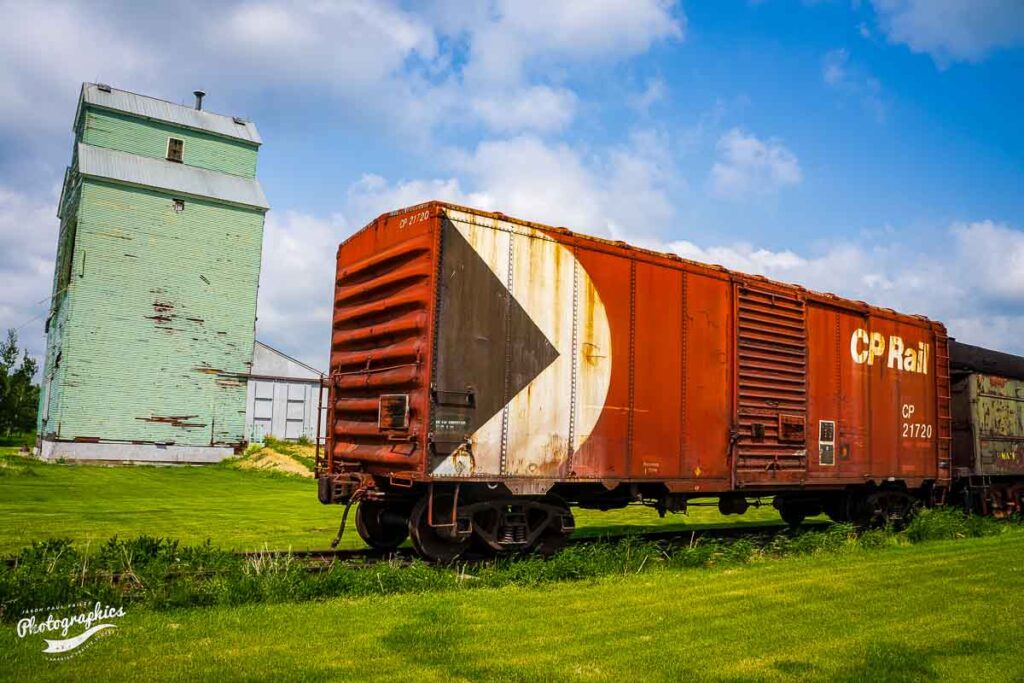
(179, 205)
(175, 149)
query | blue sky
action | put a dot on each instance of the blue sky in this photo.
(874, 149)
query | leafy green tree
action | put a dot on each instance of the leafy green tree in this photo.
(19, 397)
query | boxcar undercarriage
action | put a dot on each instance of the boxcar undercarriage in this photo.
(444, 520)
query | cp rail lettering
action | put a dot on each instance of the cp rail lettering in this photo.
(866, 346)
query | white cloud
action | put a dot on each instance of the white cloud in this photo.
(377, 61)
(373, 61)
(625, 190)
(519, 53)
(952, 30)
(537, 108)
(344, 43)
(747, 166)
(47, 50)
(525, 31)
(372, 196)
(28, 245)
(992, 258)
(296, 283)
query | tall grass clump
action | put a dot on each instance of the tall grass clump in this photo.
(162, 574)
(946, 524)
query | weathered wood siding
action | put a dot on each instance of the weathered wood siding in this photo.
(126, 133)
(160, 315)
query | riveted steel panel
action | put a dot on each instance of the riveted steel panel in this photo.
(381, 341)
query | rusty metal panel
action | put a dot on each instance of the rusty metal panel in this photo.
(603, 454)
(997, 415)
(381, 342)
(656, 358)
(837, 399)
(899, 360)
(707, 383)
(771, 386)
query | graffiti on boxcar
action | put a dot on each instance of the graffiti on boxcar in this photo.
(999, 420)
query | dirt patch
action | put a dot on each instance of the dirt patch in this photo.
(266, 459)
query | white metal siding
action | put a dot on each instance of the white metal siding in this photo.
(285, 409)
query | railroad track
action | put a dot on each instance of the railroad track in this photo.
(369, 556)
(319, 560)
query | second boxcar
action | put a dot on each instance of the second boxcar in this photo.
(988, 429)
(487, 373)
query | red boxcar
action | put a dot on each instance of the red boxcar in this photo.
(486, 373)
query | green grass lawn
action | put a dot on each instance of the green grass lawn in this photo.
(236, 509)
(933, 611)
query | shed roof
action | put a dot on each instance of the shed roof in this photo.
(268, 361)
(108, 97)
(99, 162)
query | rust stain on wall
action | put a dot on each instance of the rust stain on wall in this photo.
(173, 420)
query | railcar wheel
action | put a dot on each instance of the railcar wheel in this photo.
(1017, 496)
(793, 516)
(441, 542)
(560, 527)
(381, 526)
(837, 507)
(795, 510)
(887, 508)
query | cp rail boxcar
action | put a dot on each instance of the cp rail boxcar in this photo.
(486, 373)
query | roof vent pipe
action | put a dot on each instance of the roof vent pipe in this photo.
(199, 99)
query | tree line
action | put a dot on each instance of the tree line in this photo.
(19, 396)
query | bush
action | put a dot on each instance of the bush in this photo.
(939, 524)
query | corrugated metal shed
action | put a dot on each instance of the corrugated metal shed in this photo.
(283, 397)
(161, 110)
(98, 162)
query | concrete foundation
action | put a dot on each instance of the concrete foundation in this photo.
(129, 453)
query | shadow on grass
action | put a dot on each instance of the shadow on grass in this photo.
(887, 660)
(437, 637)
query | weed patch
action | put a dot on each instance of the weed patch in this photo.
(162, 574)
